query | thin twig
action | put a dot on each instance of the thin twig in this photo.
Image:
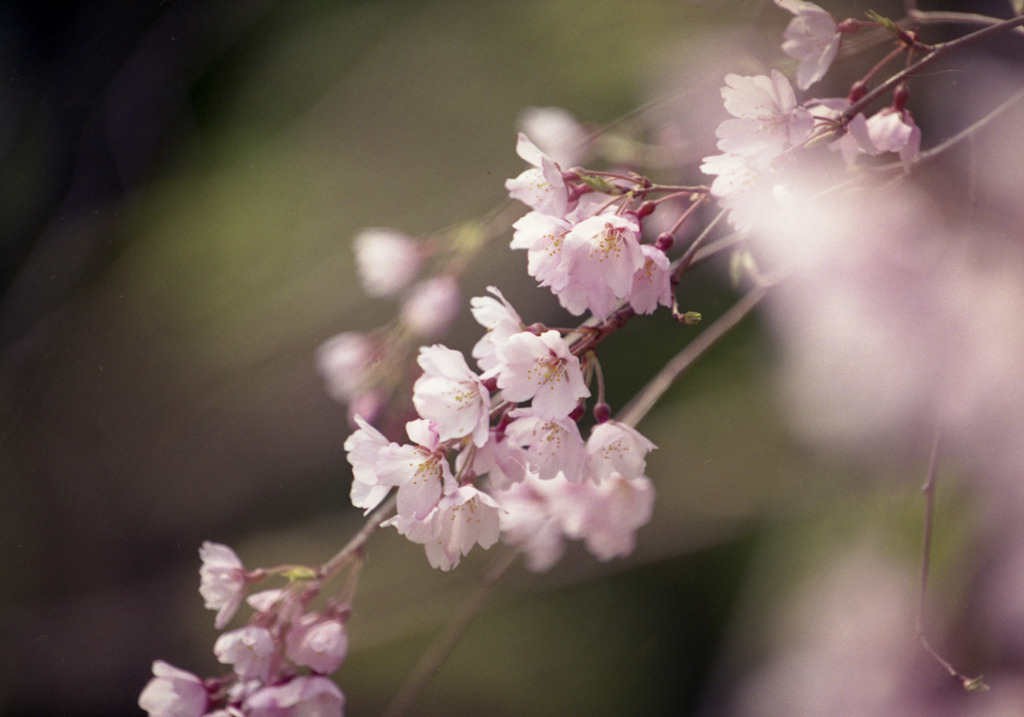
(971, 684)
(443, 645)
(639, 406)
(937, 52)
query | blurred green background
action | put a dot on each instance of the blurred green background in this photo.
(181, 181)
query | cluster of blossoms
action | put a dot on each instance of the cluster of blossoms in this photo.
(496, 452)
(768, 123)
(280, 660)
(543, 481)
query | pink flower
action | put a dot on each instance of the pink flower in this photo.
(768, 120)
(363, 447)
(812, 38)
(888, 130)
(431, 306)
(609, 514)
(421, 472)
(249, 650)
(221, 581)
(542, 187)
(543, 236)
(528, 523)
(346, 362)
(893, 130)
(614, 447)
(463, 518)
(601, 254)
(652, 284)
(500, 320)
(503, 462)
(318, 642)
(173, 693)
(543, 369)
(552, 447)
(312, 696)
(387, 260)
(556, 132)
(451, 395)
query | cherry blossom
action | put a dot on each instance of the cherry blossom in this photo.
(528, 523)
(556, 132)
(602, 255)
(501, 321)
(312, 695)
(606, 515)
(768, 119)
(346, 362)
(420, 472)
(614, 447)
(363, 447)
(318, 642)
(543, 236)
(541, 368)
(889, 130)
(431, 306)
(542, 187)
(386, 259)
(222, 581)
(551, 447)
(249, 650)
(811, 37)
(463, 518)
(500, 459)
(451, 395)
(652, 282)
(173, 693)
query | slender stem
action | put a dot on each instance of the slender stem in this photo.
(328, 569)
(642, 403)
(443, 645)
(950, 18)
(928, 490)
(971, 684)
(938, 51)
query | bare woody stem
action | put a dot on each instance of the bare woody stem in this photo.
(642, 403)
(971, 684)
(938, 52)
(438, 652)
(355, 544)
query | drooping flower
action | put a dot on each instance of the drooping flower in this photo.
(221, 581)
(767, 118)
(541, 368)
(501, 321)
(888, 130)
(173, 693)
(431, 306)
(542, 187)
(543, 236)
(811, 37)
(463, 518)
(420, 472)
(451, 395)
(249, 650)
(346, 361)
(614, 447)
(551, 447)
(317, 641)
(556, 132)
(307, 696)
(363, 447)
(601, 256)
(386, 259)
(652, 282)
(609, 513)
